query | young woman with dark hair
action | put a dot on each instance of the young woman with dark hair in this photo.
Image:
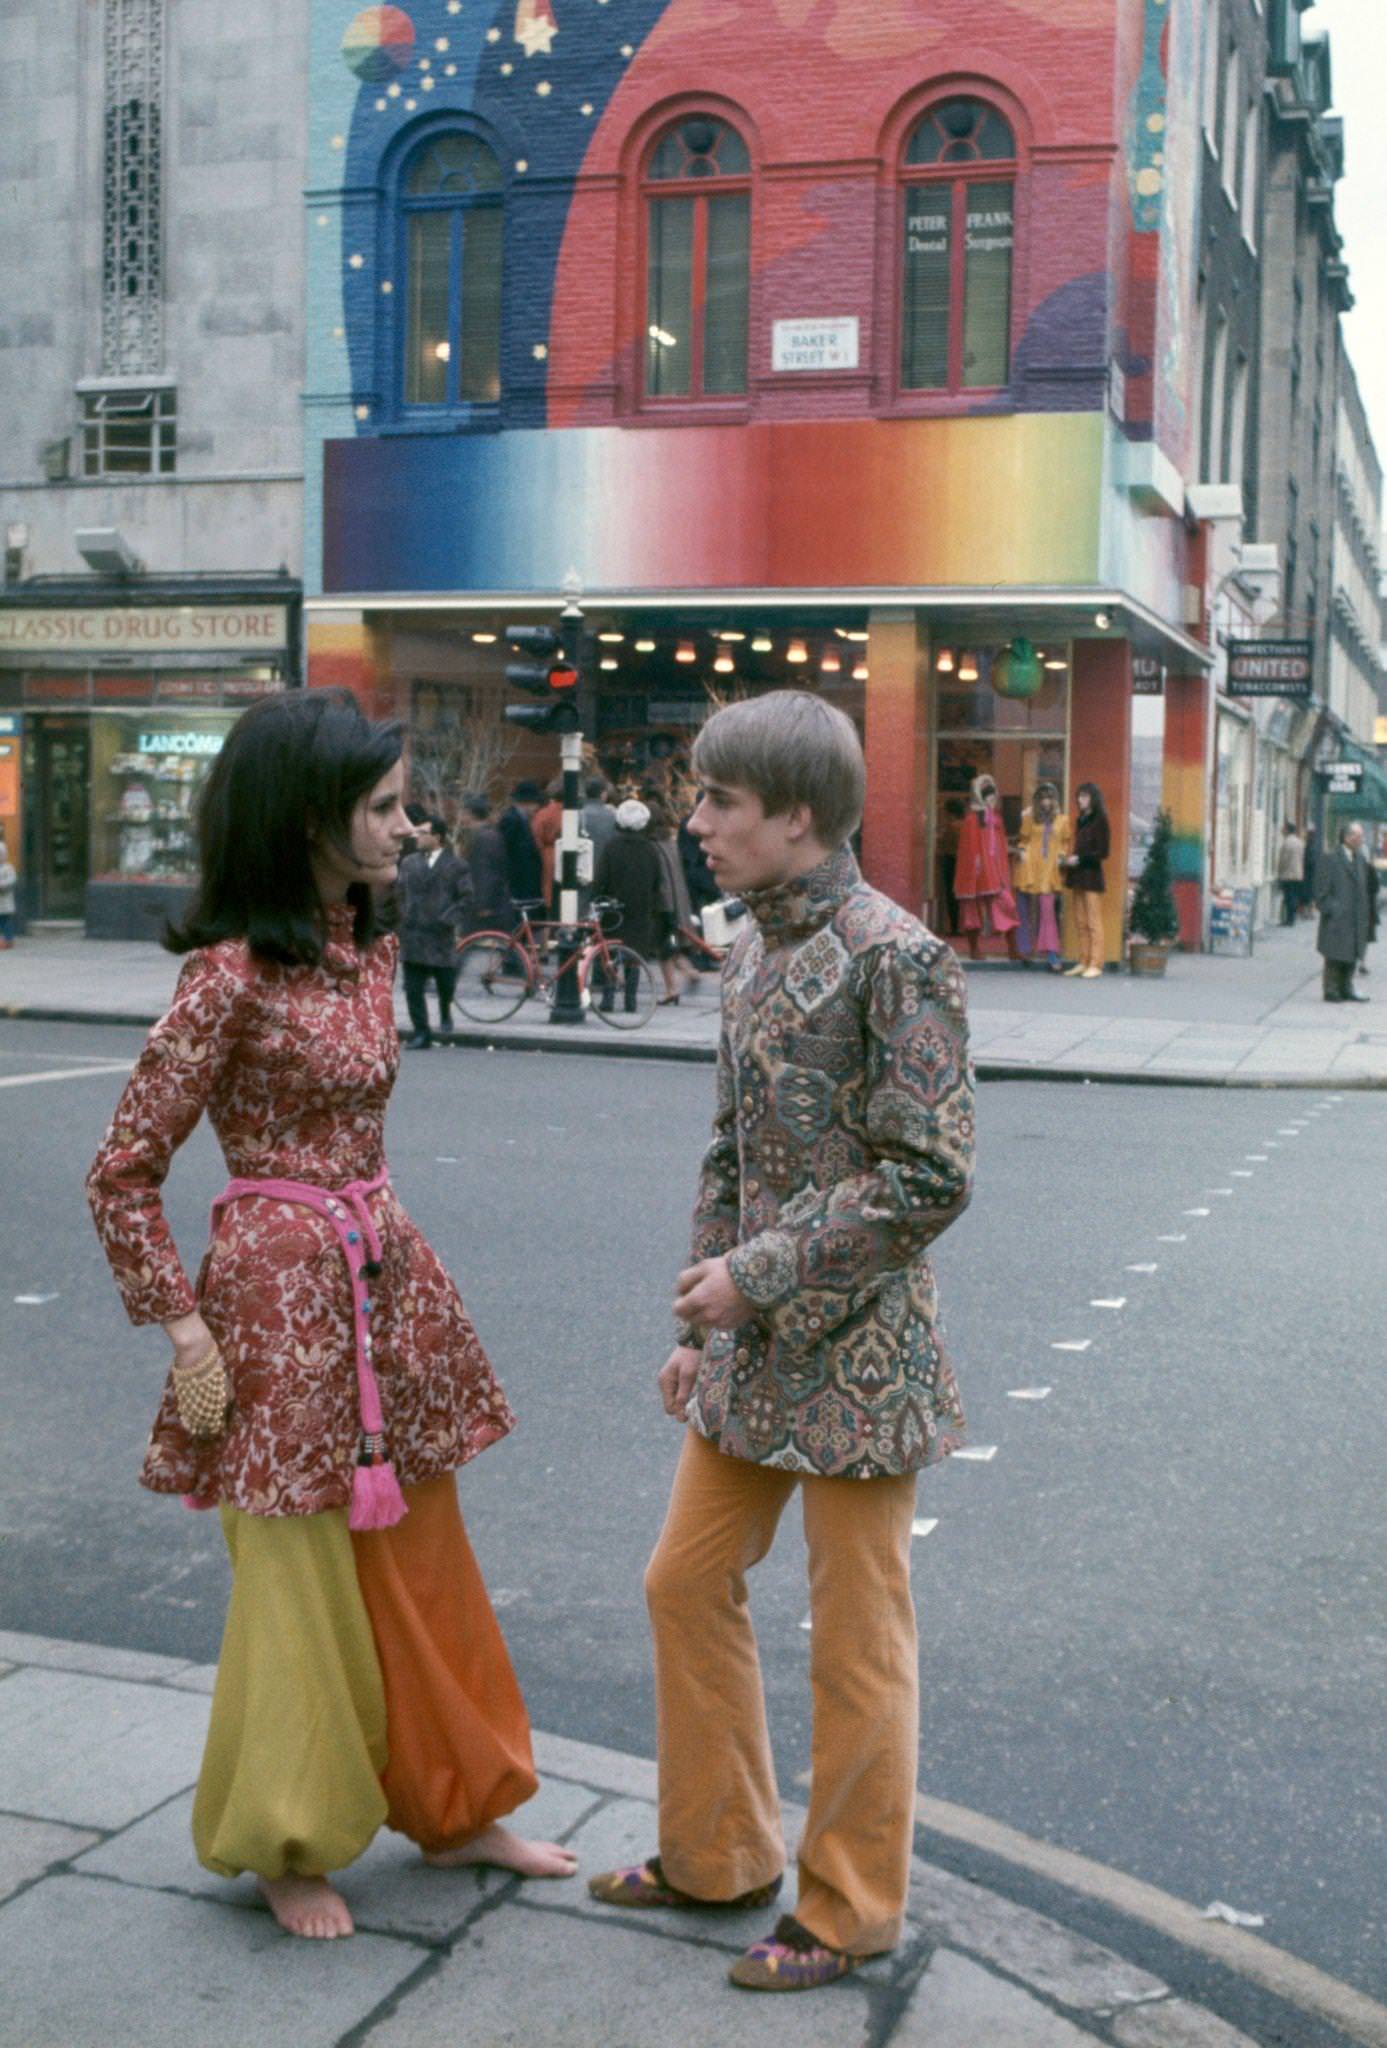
(325, 1381)
(1084, 875)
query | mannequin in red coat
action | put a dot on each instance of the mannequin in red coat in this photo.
(982, 879)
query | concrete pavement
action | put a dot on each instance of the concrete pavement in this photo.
(110, 1933)
(1240, 1023)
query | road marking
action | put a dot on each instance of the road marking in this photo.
(1271, 1144)
(1149, 1266)
(923, 1526)
(34, 1300)
(807, 1623)
(74, 1074)
(983, 1454)
(1257, 1158)
(1220, 1191)
(1109, 1301)
(446, 1159)
(1072, 1344)
(1029, 1393)
(1198, 1212)
(1173, 1237)
(1299, 1983)
(1242, 1173)
(1287, 1131)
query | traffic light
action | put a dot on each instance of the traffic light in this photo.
(550, 673)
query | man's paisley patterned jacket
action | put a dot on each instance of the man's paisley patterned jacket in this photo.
(842, 1146)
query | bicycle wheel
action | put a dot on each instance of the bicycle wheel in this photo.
(622, 987)
(493, 978)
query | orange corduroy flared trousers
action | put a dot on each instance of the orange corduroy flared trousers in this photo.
(720, 1831)
(1088, 916)
(363, 1681)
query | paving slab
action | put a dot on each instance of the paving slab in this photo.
(1064, 1967)
(154, 1971)
(1172, 2023)
(93, 1657)
(28, 1848)
(956, 2004)
(526, 1977)
(94, 1752)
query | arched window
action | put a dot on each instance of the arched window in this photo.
(697, 201)
(452, 205)
(959, 175)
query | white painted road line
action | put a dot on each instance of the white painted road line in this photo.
(1198, 1212)
(1242, 1173)
(1257, 1158)
(1029, 1393)
(1220, 1191)
(981, 1454)
(1072, 1344)
(72, 1074)
(1173, 1237)
(923, 1526)
(1147, 1266)
(1109, 1301)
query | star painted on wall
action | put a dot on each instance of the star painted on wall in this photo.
(535, 26)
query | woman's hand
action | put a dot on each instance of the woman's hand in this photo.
(201, 1388)
(191, 1339)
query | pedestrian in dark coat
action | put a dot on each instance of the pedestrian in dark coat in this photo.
(1083, 875)
(435, 897)
(524, 869)
(485, 853)
(631, 872)
(1342, 899)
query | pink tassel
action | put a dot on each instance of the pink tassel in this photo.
(377, 1502)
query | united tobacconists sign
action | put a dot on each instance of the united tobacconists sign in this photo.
(1269, 668)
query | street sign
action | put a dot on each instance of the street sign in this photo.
(814, 344)
(1148, 675)
(1270, 668)
(1342, 778)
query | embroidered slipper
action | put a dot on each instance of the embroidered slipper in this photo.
(790, 1959)
(645, 1884)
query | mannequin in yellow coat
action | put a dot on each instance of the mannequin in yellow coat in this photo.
(1041, 845)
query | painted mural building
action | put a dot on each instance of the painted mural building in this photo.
(852, 348)
(151, 222)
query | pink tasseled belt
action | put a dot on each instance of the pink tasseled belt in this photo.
(377, 1502)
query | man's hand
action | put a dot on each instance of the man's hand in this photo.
(709, 1298)
(676, 1379)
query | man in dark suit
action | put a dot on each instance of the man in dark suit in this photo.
(492, 907)
(524, 869)
(435, 893)
(1342, 899)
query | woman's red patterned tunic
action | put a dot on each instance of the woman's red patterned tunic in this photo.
(294, 1066)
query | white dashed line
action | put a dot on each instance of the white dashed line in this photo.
(807, 1623)
(1286, 1131)
(34, 1300)
(923, 1526)
(1109, 1301)
(1242, 1173)
(74, 1074)
(1173, 1237)
(1149, 1266)
(1029, 1393)
(1257, 1158)
(1072, 1344)
(1198, 1212)
(1219, 1191)
(981, 1454)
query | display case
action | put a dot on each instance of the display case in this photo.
(148, 768)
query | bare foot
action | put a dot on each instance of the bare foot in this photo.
(307, 1906)
(499, 1848)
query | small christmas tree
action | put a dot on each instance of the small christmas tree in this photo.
(1154, 916)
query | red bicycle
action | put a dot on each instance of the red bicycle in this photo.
(498, 971)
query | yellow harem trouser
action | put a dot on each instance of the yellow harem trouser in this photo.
(720, 1831)
(363, 1680)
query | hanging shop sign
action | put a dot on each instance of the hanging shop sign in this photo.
(97, 630)
(1148, 676)
(814, 344)
(1270, 668)
(1342, 778)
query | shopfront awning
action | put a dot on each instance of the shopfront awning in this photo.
(1370, 798)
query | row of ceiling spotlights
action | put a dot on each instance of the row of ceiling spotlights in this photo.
(796, 650)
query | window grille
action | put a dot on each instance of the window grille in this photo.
(131, 275)
(129, 433)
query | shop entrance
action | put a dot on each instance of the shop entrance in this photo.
(62, 778)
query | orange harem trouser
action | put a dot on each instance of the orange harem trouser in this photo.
(363, 1681)
(720, 1831)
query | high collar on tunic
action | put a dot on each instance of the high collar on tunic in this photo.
(340, 956)
(793, 910)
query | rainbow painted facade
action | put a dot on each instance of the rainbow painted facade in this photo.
(760, 330)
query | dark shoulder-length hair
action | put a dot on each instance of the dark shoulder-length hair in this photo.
(292, 764)
(1096, 807)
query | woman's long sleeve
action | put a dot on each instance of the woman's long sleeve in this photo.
(170, 1087)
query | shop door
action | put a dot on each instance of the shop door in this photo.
(63, 762)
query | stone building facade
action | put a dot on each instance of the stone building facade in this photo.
(151, 369)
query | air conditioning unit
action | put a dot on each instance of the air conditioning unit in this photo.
(56, 457)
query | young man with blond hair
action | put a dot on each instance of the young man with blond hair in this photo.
(808, 1353)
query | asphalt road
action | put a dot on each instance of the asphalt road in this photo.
(1153, 1624)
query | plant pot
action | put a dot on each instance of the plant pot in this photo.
(1146, 957)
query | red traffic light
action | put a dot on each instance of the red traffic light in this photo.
(561, 677)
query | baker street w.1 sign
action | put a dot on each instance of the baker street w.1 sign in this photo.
(1270, 668)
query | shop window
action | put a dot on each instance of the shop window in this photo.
(697, 206)
(452, 210)
(147, 770)
(958, 228)
(130, 433)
